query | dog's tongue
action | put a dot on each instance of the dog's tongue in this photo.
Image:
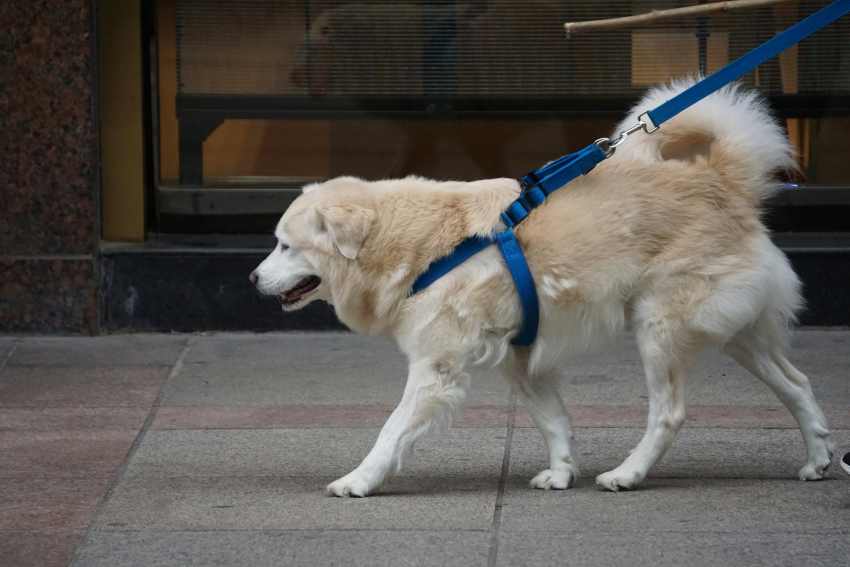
(306, 285)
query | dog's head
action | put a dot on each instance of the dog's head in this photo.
(319, 239)
(359, 245)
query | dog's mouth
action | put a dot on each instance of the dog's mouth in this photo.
(301, 290)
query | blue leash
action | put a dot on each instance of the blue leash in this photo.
(538, 184)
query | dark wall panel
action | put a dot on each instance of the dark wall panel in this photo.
(155, 291)
(48, 191)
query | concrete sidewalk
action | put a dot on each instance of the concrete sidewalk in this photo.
(214, 450)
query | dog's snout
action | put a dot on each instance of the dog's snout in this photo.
(252, 277)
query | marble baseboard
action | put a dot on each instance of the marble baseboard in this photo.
(48, 295)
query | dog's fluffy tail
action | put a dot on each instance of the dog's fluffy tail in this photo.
(732, 129)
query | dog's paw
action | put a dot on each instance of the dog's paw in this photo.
(555, 479)
(816, 468)
(812, 471)
(351, 484)
(617, 480)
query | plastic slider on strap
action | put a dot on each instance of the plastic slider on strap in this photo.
(530, 179)
(535, 196)
(515, 213)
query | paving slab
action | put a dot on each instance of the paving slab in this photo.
(364, 415)
(37, 503)
(109, 350)
(42, 548)
(661, 549)
(686, 505)
(281, 503)
(287, 369)
(713, 480)
(253, 427)
(702, 416)
(696, 453)
(46, 386)
(308, 452)
(615, 375)
(834, 342)
(275, 480)
(63, 454)
(270, 350)
(72, 419)
(307, 416)
(308, 548)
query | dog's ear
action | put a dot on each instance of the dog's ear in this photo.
(346, 227)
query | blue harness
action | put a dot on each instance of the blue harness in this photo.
(538, 184)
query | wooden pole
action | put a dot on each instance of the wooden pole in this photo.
(662, 15)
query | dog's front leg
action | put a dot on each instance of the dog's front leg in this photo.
(433, 392)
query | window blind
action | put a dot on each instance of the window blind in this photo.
(484, 49)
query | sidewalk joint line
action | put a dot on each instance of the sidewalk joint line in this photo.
(129, 530)
(123, 530)
(503, 481)
(119, 474)
(9, 354)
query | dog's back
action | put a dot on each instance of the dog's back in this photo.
(675, 215)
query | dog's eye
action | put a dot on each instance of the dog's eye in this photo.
(283, 247)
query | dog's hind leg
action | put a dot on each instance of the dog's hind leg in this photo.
(540, 395)
(433, 393)
(766, 361)
(666, 353)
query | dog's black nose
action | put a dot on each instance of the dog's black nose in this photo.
(253, 278)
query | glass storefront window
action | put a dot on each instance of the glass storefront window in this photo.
(266, 95)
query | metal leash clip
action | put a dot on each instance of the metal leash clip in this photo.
(607, 145)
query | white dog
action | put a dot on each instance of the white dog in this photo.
(666, 235)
